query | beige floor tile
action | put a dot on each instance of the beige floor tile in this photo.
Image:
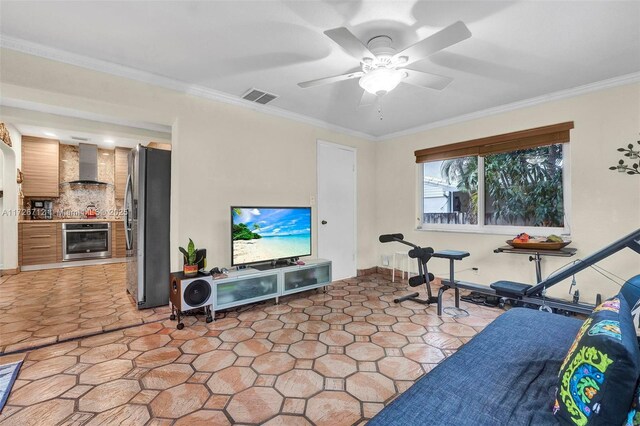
(204, 418)
(49, 412)
(105, 372)
(179, 401)
(167, 376)
(109, 395)
(333, 365)
(200, 345)
(255, 405)
(317, 358)
(42, 390)
(125, 414)
(232, 380)
(332, 408)
(299, 383)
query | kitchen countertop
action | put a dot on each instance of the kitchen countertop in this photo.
(68, 220)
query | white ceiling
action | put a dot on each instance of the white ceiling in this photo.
(518, 51)
(103, 140)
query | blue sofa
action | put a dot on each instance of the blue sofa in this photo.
(506, 375)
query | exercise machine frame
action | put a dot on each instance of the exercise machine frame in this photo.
(422, 255)
(518, 293)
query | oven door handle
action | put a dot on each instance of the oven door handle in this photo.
(86, 230)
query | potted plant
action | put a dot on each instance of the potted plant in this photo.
(190, 266)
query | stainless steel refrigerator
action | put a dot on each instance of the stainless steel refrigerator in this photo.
(146, 224)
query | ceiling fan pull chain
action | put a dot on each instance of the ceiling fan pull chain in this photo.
(380, 107)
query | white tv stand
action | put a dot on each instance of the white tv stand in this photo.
(250, 285)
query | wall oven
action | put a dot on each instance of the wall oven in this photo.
(86, 240)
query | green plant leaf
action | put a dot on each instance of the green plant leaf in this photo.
(183, 251)
(190, 253)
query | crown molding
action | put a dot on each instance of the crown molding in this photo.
(19, 106)
(555, 96)
(59, 55)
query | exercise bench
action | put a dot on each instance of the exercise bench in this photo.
(423, 255)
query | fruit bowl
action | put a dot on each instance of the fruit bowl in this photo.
(539, 245)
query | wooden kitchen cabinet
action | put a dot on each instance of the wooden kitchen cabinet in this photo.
(38, 243)
(41, 167)
(121, 171)
(59, 242)
(118, 245)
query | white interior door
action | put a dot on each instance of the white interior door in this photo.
(337, 208)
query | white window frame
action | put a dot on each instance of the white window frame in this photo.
(481, 228)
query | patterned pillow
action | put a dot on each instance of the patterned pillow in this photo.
(635, 313)
(631, 292)
(633, 418)
(598, 377)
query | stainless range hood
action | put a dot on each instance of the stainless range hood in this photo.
(88, 159)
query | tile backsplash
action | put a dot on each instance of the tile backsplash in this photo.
(74, 199)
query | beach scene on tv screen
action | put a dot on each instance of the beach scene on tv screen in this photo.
(262, 234)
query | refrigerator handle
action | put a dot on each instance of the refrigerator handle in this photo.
(128, 206)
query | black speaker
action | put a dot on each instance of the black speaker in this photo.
(190, 293)
(202, 255)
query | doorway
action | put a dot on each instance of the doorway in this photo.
(337, 207)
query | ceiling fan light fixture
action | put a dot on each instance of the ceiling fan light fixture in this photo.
(381, 81)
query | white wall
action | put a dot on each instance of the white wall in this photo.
(10, 157)
(605, 204)
(222, 154)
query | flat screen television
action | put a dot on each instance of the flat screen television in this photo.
(263, 234)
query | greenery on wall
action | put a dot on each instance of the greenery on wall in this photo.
(631, 154)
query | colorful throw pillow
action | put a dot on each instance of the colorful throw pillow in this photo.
(598, 377)
(631, 292)
(635, 314)
(633, 418)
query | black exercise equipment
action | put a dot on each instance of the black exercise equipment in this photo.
(514, 292)
(423, 255)
(424, 276)
(535, 294)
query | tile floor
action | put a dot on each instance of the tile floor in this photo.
(43, 307)
(332, 358)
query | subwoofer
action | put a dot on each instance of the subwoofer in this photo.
(186, 294)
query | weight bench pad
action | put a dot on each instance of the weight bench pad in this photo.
(510, 288)
(451, 254)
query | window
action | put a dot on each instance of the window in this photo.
(516, 186)
(450, 193)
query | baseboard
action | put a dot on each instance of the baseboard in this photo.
(73, 264)
(399, 274)
(386, 272)
(15, 271)
(368, 271)
(378, 270)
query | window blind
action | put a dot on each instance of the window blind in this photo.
(523, 139)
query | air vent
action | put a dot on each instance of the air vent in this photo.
(259, 96)
(79, 138)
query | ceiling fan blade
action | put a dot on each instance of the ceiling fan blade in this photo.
(328, 80)
(367, 99)
(449, 36)
(350, 43)
(425, 79)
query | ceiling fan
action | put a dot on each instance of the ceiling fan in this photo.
(383, 68)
